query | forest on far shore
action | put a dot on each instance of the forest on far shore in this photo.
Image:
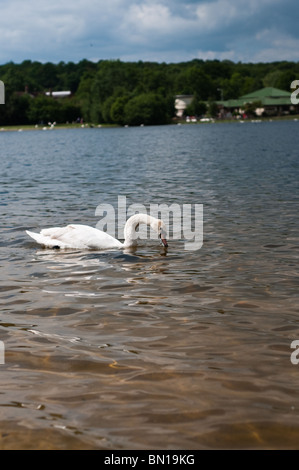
(128, 93)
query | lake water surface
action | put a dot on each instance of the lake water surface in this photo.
(151, 349)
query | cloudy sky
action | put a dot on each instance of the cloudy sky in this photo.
(156, 30)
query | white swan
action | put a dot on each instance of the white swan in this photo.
(89, 238)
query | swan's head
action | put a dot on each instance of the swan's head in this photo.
(162, 232)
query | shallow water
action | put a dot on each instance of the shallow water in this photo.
(151, 349)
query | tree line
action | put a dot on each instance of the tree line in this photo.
(133, 93)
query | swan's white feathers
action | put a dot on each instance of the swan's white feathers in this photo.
(75, 236)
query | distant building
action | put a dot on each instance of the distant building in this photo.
(59, 94)
(272, 101)
(181, 103)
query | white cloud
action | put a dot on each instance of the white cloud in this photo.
(149, 21)
(149, 16)
(275, 46)
(46, 26)
(223, 13)
(37, 25)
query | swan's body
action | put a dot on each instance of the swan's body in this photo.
(89, 238)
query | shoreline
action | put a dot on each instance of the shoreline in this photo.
(31, 127)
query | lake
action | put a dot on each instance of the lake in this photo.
(153, 348)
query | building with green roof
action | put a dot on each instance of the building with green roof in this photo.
(269, 101)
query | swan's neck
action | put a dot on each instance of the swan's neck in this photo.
(131, 226)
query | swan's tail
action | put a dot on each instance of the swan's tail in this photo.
(42, 239)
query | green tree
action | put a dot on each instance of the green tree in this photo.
(13, 78)
(212, 109)
(272, 78)
(106, 109)
(69, 111)
(84, 96)
(195, 81)
(15, 109)
(236, 84)
(117, 110)
(196, 108)
(285, 80)
(44, 109)
(146, 109)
